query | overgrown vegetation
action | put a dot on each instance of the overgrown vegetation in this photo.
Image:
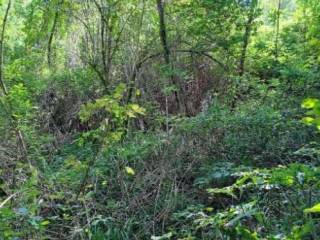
(185, 119)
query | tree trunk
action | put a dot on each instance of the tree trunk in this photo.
(4, 24)
(52, 32)
(246, 38)
(276, 45)
(166, 49)
(103, 52)
(163, 32)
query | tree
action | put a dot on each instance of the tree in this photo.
(276, 44)
(21, 145)
(252, 14)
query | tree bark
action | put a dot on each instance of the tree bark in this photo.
(4, 24)
(276, 45)
(109, 44)
(103, 52)
(52, 32)
(163, 32)
(166, 49)
(246, 38)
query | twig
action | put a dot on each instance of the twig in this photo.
(8, 199)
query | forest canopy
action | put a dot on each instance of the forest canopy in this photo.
(159, 119)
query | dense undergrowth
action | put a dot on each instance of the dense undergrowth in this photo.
(156, 120)
(248, 173)
(245, 173)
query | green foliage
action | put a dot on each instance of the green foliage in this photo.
(19, 102)
(314, 209)
(23, 219)
(246, 220)
(102, 140)
(313, 107)
(258, 134)
(113, 126)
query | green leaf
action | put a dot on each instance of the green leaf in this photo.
(118, 92)
(45, 223)
(314, 209)
(130, 171)
(309, 103)
(308, 120)
(247, 234)
(227, 191)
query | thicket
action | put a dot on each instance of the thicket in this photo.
(159, 119)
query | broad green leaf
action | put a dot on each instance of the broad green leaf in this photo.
(226, 190)
(309, 103)
(314, 209)
(308, 120)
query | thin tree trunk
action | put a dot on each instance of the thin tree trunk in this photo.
(166, 49)
(163, 32)
(4, 24)
(136, 67)
(246, 38)
(107, 45)
(103, 52)
(52, 32)
(276, 45)
(109, 53)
